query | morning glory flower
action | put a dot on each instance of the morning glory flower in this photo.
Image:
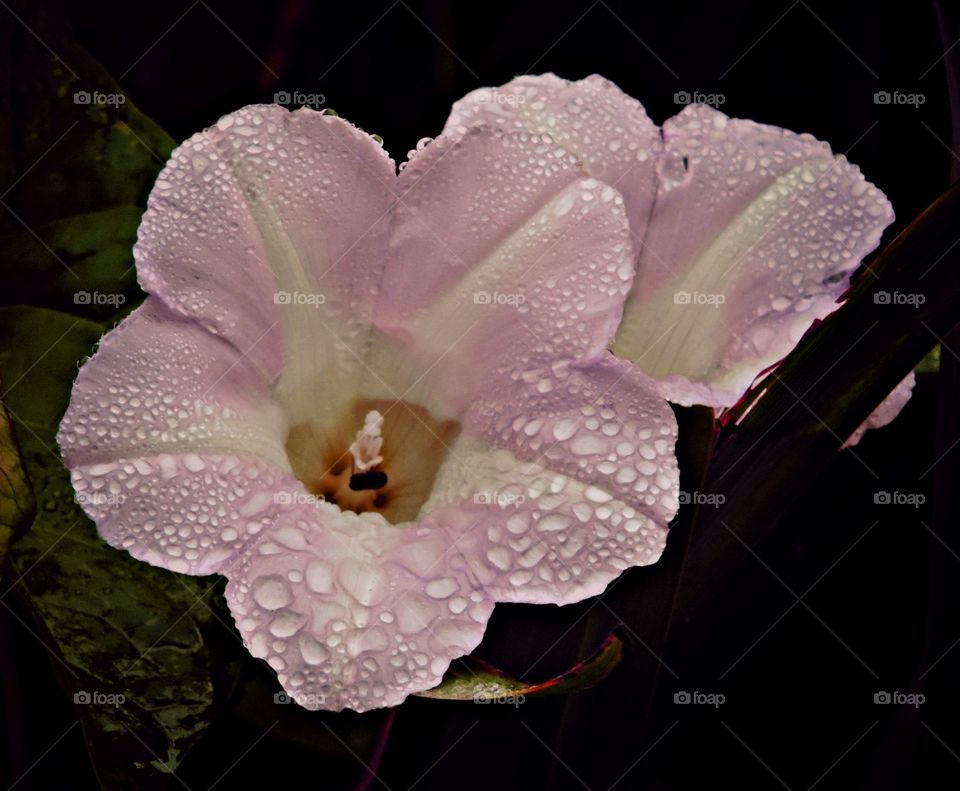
(378, 402)
(745, 234)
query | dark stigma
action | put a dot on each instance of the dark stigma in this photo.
(372, 479)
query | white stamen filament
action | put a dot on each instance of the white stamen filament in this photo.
(366, 448)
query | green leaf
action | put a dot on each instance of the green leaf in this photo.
(82, 264)
(77, 174)
(114, 626)
(116, 629)
(17, 504)
(40, 357)
(473, 679)
(931, 363)
(65, 158)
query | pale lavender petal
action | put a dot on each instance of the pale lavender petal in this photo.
(270, 205)
(173, 443)
(754, 233)
(353, 612)
(569, 479)
(608, 131)
(886, 410)
(505, 257)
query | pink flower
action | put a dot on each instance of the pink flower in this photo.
(378, 403)
(745, 234)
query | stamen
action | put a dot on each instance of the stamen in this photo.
(366, 448)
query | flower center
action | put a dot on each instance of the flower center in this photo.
(388, 465)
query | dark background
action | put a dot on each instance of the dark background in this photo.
(798, 678)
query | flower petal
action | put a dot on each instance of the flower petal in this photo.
(165, 435)
(352, 612)
(754, 232)
(607, 130)
(886, 410)
(269, 229)
(505, 257)
(572, 479)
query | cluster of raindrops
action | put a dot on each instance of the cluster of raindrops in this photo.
(542, 254)
(774, 224)
(422, 143)
(159, 383)
(352, 612)
(187, 513)
(248, 194)
(585, 271)
(567, 486)
(607, 130)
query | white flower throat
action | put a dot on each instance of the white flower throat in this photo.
(388, 465)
